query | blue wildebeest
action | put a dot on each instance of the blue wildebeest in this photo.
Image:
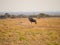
(32, 20)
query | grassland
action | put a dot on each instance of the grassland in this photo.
(20, 31)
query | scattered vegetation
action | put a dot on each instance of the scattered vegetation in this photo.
(19, 31)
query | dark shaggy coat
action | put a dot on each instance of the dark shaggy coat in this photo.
(32, 20)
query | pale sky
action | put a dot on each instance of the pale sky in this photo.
(29, 5)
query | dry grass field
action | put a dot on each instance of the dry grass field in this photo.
(20, 31)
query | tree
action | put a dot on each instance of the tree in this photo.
(42, 15)
(7, 15)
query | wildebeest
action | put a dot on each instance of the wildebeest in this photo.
(32, 20)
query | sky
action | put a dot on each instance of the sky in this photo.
(29, 5)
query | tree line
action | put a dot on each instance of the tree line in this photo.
(41, 15)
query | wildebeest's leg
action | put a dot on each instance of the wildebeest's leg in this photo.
(35, 22)
(31, 22)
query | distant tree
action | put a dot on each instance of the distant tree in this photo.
(13, 16)
(22, 16)
(7, 15)
(2, 17)
(42, 15)
(34, 16)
